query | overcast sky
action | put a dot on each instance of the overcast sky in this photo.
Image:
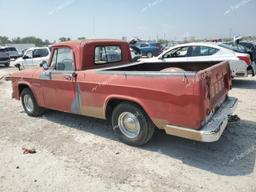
(147, 19)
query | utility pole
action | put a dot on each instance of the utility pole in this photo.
(230, 33)
(93, 27)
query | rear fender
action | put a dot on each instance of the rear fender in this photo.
(125, 99)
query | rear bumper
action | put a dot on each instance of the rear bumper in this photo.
(213, 130)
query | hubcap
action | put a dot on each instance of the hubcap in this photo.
(129, 125)
(28, 103)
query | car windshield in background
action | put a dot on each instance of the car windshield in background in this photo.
(11, 49)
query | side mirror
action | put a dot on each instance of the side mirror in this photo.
(18, 66)
(25, 57)
(45, 65)
(162, 57)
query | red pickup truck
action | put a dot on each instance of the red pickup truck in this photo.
(96, 78)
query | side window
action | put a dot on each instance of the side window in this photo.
(144, 45)
(40, 53)
(198, 51)
(107, 54)
(63, 60)
(178, 52)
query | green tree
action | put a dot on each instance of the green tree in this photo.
(29, 40)
(62, 39)
(4, 40)
(81, 38)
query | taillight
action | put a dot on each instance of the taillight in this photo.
(246, 59)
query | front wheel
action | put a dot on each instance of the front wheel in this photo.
(29, 103)
(131, 124)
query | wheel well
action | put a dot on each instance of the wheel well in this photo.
(22, 87)
(111, 105)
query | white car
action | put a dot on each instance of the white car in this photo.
(240, 63)
(32, 58)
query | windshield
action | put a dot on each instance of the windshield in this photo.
(11, 49)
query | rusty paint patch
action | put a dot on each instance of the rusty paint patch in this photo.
(46, 75)
(76, 104)
(90, 111)
(159, 123)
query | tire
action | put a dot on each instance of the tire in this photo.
(7, 65)
(129, 112)
(149, 55)
(29, 103)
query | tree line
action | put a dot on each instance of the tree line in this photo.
(39, 42)
(32, 40)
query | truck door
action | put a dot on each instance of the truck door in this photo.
(59, 81)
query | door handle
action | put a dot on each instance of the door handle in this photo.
(70, 76)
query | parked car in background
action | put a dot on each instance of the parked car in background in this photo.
(188, 100)
(13, 53)
(240, 63)
(251, 49)
(149, 49)
(33, 57)
(4, 57)
(239, 48)
(135, 53)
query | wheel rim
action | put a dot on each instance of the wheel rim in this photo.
(150, 55)
(28, 103)
(129, 125)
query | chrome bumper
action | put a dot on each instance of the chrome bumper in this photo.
(213, 130)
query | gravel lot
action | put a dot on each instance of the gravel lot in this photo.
(77, 153)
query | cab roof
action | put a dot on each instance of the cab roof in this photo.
(82, 43)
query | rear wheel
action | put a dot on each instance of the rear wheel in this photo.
(131, 124)
(29, 103)
(7, 65)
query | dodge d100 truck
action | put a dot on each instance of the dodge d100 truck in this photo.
(95, 78)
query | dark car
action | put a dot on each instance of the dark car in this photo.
(241, 48)
(13, 53)
(251, 49)
(4, 58)
(149, 49)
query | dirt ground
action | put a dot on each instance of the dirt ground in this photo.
(77, 153)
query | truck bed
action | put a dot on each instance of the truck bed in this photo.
(164, 66)
(208, 82)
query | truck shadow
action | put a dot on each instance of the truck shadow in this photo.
(244, 83)
(233, 155)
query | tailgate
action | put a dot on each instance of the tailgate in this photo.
(217, 82)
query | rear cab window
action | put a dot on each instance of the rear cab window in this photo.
(107, 55)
